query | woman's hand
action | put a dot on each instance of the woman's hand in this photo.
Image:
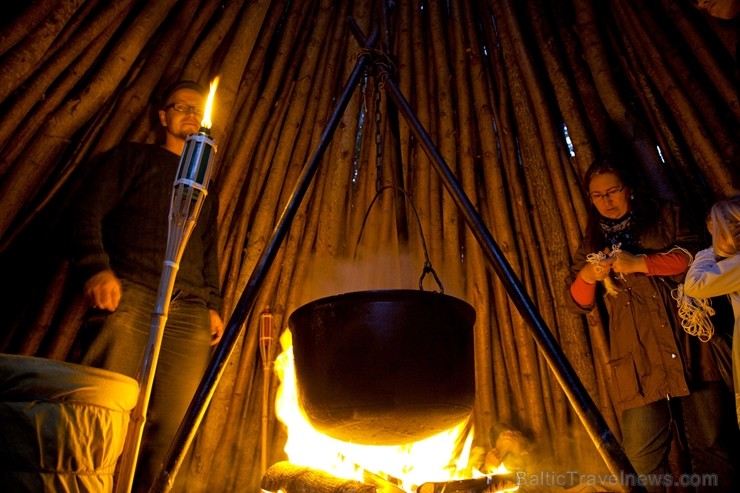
(627, 263)
(597, 271)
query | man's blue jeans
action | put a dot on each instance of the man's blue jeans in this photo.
(118, 343)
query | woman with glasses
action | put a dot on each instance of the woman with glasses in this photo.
(663, 382)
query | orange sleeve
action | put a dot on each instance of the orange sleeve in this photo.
(582, 292)
(666, 264)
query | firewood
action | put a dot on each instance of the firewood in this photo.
(299, 479)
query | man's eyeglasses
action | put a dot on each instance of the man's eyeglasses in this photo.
(606, 195)
(184, 108)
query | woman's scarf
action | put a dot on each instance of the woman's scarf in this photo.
(619, 232)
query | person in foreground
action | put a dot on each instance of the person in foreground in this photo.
(716, 272)
(119, 228)
(664, 384)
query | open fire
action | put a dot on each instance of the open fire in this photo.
(424, 466)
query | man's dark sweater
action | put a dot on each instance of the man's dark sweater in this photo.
(120, 222)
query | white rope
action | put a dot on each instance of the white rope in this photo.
(596, 258)
(694, 314)
(681, 249)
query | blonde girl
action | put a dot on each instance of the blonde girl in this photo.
(715, 271)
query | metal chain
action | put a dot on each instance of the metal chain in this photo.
(378, 139)
(383, 61)
(384, 66)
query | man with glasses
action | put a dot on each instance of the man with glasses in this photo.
(119, 228)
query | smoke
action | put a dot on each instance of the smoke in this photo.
(377, 271)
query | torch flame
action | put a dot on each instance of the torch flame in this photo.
(206, 121)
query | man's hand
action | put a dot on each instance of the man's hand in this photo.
(103, 291)
(217, 327)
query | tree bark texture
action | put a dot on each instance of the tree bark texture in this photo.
(518, 98)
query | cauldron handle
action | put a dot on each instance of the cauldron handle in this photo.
(427, 269)
(427, 263)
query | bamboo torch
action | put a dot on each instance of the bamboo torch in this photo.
(266, 343)
(188, 194)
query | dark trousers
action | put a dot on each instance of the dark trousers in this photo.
(702, 421)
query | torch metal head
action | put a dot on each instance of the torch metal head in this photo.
(196, 161)
(190, 189)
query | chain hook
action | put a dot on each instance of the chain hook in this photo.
(427, 269)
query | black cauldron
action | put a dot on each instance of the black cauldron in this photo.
(384, 367)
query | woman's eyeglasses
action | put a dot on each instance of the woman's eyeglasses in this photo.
(606, 195)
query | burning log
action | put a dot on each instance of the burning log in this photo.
(486, 484)
(290, 478)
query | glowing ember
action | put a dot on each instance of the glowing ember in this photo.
(407, 466)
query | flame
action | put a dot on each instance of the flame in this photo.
(408, 466)
(502, 469)
(206, 121)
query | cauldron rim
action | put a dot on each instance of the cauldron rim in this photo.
(389, 295)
